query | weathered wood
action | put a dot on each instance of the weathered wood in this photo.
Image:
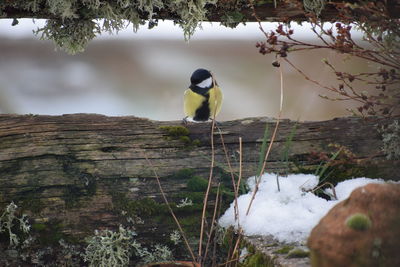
(266, 11)
(87, 171)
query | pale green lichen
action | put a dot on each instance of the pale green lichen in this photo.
(70, 34)
(314, 6)
(232, 19)
(63, 8)
(191, 13)
(7, 221)
(175, 237)
(110, 248)
(391, 140)
(76, 22)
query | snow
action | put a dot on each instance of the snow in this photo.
(289, 214)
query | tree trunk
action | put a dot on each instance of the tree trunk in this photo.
(73, 174)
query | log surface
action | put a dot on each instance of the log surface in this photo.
(69, 169)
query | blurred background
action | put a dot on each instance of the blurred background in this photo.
(145, 73)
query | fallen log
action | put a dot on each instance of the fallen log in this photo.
(73, 174)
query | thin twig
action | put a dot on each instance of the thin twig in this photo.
(170, 210)
(231, 172)
(203, 215)
(213, 222)
(270, 144)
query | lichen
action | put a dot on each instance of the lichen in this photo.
(72, 35)
(75, 22)
(232, 19)
(9, 219)
(359, 222)
(314, 6)
(391, 140)
(110, 248)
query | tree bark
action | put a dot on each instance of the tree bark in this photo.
(83, 172)
(265, 10)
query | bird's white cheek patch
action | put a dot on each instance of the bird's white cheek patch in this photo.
(206, 83)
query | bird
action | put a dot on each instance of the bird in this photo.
(203, 99)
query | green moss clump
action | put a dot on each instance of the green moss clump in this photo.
(180, 133)
(257, 260)
(175, 131)
(298, 253)
(50, 233)
(196, 142)
(38, 227)
(185, 139)
(359, 222)
(182, 174)
(197, 184)
(284, 250)
(141, 207)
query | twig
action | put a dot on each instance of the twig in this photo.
(231, 172)
(212, 222)
(203, 215)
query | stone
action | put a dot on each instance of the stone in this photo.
(363, 230)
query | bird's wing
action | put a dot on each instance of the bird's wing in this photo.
(215, 100)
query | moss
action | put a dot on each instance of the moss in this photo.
(185, 139)
(175, 131)
(38, 227)
(359, 222)
(180, 133)
(182, 174)
(197, 184)
(50, 233)
(284, 250)
(298, 253)
(196, 142)
(32, 202)
(257, 260)
(141, 207)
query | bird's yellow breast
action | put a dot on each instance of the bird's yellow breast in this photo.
(194, 101)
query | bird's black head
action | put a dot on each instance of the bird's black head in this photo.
(199, 76)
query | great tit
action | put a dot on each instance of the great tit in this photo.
(203, 99)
